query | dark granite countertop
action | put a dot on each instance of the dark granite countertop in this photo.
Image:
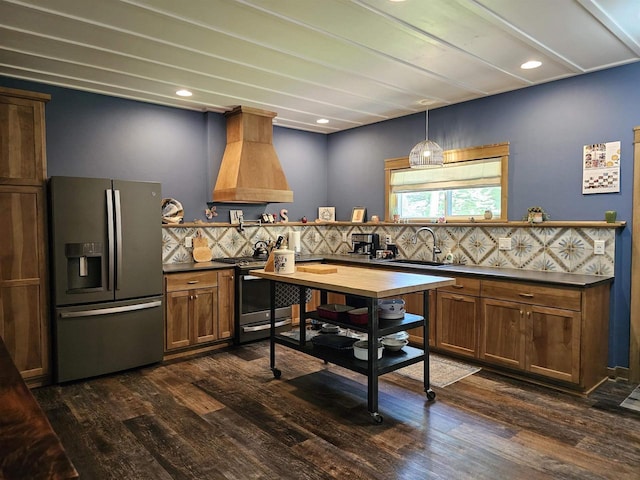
(196, 266)
(193, 266)
(558, 278)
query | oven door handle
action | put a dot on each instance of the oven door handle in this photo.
(251, 277)
(266, 326)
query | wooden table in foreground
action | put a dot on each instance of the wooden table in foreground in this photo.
(370, 285)
(29, 448)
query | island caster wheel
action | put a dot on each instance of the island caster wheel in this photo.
(431, 395)
(276, 373)
(377, 418)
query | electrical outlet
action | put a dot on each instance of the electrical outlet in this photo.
(387, 239)
(188, 242)
(504, 244)
(598, 247)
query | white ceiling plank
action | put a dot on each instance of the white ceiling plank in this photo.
(354, 62)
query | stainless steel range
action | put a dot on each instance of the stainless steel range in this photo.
(252, 306)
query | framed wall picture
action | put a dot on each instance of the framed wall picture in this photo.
(327, 214)
(235, 216)
(359, 215)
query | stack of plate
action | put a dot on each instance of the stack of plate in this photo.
(398, 336)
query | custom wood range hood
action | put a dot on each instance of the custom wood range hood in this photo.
(250, 171)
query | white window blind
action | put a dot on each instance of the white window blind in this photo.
(475, 173)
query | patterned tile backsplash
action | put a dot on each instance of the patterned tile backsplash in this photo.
(555, 249)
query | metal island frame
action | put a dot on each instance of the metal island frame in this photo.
(371, 285)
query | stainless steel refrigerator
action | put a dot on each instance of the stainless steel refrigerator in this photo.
(106, 258)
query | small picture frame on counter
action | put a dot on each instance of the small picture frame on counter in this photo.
(235, 216)
(327, 214)
(359, 215)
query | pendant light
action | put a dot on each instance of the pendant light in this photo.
(426, 153)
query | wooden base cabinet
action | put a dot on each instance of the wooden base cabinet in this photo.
(551, 331)
(199, 308)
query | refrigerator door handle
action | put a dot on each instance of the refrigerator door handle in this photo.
(111, 310)
(110, 238)
(119, 237)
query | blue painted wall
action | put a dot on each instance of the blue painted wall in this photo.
(546, 126)
(356, 162)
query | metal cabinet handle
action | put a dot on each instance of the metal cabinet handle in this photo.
(193, 282)
(457, 298)
(457, 286)
(526, 295)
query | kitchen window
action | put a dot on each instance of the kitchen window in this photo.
(471, 181)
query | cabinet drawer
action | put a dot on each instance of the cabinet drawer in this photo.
(558, 297)
(463, 286)
(189, 280)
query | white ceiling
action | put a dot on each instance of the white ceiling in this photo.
(352, 62)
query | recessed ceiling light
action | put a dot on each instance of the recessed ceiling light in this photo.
(530, 64)
(322, 120)
(184, 93)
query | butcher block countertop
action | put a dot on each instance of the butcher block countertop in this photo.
(365, 282)
(29, 448)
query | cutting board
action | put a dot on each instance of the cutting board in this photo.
(318, 268)
(201, 250)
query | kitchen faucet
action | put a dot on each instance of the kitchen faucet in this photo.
(414, 240)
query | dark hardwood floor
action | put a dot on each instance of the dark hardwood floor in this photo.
(224, 416)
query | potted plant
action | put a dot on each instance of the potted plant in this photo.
(536, 215)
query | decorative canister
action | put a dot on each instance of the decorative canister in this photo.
(284, 261)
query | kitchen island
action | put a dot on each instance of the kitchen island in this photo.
(369, 285)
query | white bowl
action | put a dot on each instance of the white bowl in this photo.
(391, 309)
(394, 344)
(361, 350)
(330, 328)
(398, 336)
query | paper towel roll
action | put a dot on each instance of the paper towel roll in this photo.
(294, 241)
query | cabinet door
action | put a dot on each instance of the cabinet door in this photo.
(22, 156)
(502, 334)
(20, 327)
(226, 294)
(414, 304)
(177, 319)
(553, 343)
(204, 314)
(457, 323)
(23, 307)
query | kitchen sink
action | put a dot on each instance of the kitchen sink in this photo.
(408, 261)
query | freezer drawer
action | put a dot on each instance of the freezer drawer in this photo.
(107, 337)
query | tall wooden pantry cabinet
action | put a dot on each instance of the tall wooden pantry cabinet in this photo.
(24, 314)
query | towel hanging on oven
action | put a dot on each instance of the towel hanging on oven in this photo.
(287, 295)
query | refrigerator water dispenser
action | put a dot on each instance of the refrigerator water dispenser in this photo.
(84, 267)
